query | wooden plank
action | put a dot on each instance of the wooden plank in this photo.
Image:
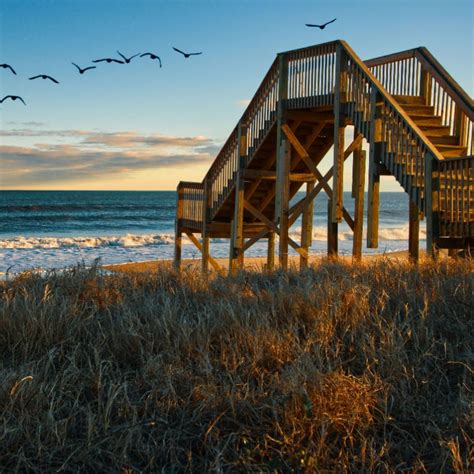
(307, 227)
(271, 175)
(414, 232)
(178, 240)
(260, 216)
(332, 233)
(206, 208)
(359, 160)
(200, 247)
(271, 251)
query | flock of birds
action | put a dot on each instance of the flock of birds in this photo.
(124, 60)
(81, 70)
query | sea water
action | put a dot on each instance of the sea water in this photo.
(57, 229)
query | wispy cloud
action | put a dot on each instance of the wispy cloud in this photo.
(243, 102)
(26, 124)
(92, 154)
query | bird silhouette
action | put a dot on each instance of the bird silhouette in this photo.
(186, 55)
(43, 76)
(127, 60)
(82, 71)
(108, 60)
(152, 56)
(12, 97)
(321, 27)
(9, 67)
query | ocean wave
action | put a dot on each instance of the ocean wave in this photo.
(129, 240)
(385, 233)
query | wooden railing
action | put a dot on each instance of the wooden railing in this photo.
(190, 204)
(456, 197)
(405, 148)
(417, 73)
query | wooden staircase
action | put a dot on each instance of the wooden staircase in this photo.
(418, 123)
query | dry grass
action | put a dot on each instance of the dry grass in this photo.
(341, 368)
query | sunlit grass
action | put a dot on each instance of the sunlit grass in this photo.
(341, 368)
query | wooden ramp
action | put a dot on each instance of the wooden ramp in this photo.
(417, 121)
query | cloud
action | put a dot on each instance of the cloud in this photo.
(92, 155)
(243, 102)
(26, 124)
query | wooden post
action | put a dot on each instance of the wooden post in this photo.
(283, 158)
(271, 251)
(339, 96)
(431, 190)
(178, 239)
(374, 175)
(425, 86)
(206, 209)
(332, 233)
(359, 158)
(414, 232)
(236, 257)
(307, 227)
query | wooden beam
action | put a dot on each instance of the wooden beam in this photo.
(332, 233)
(271, 251)
(200, 247)
(374, 176)
(271, 175)
(359, 169)
(306, 116)
(255, 239)
(414, 232)
(260, 216)
(178, 240)
(206, 207)
(236, 257)
(307, 227)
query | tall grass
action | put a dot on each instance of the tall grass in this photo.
(340, 368)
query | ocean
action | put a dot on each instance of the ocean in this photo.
(57, 229)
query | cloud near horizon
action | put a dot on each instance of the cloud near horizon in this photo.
(91, 155)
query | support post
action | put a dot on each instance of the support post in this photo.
(431, 204)
(339, 97)
(359, 158)
(236, 257)
(283, 158)
(414, 232)
(425, 86)
(206, 210)
(307, 227)
(332, 233)
(271, 251)
(178, 239)
(374, 175)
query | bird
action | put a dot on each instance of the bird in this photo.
(108, 60)
(321, 27)
(152, 56)
(44, 76)
(82, 71)
(127, 60)
(12, 97)
(9, 67)
(186, 55)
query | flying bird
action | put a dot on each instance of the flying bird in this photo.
(127, 60)
(152, 56)
(108, 60)
(321, 27)
(9, 67)
(186, 55)
(43, 76)
(82, 71)
(12, 97)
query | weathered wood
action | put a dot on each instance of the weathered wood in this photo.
(272, 176)
(359, 160)
(271, 251)
(282, 200)
(236, 257)
(431, 205)
(414, 232)
(332, 233)
(200, 247)
(307, 227)
(374, 177)
(206, 207)
(178, 241)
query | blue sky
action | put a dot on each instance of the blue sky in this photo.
(186, 109)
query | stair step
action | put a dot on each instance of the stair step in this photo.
(443, 140)
(434, 130)
(413, 109)
(426, 120)
(409, 99)
(452, 151)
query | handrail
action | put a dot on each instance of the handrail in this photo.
(391, 101)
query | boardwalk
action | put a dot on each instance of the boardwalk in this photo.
(416, 119)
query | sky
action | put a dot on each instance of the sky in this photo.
(141, 127)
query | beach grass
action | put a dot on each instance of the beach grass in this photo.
(339, 368)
